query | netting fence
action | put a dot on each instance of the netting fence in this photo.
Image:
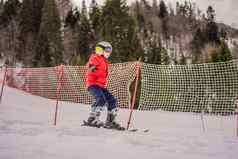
(210, 88)
(45, 82)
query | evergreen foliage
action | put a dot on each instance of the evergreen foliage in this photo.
(1, 6)
(119, 28)
(225, 53)
(49, 48)
(163, 15)
(83, 44)
(153, 31)
(9, 9)
(29, 29)
(71, 19)
(197, 44)
(211, 27)
(221, 54)
(95, 15)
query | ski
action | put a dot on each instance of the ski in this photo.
(118, 129)
(85, 123)
(139, 130)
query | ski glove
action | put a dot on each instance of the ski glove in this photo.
(92, 68)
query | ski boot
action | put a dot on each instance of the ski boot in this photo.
(110, 121)
(93, 120)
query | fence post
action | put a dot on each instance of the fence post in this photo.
(60, 74)
(202, 120)
(236, 113)
(138, 66)
(3, 83)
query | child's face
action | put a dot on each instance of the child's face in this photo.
(107, 54)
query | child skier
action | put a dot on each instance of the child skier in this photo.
(96, 82)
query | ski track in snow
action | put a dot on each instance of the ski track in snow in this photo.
(27, 132)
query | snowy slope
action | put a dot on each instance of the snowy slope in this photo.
(27, 132)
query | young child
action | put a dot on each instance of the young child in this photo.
(96, 82)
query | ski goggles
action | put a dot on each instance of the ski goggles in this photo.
(103, 48)
(108, 49)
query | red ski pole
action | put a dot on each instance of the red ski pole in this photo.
(3, 83)
(58, 89)
(134, 95)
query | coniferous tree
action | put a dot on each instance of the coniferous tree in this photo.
(71, 19)
(163, 15)
(71, 25)
(163, 12)
(210, 14)
(30, 18)
(212, 33)
(9, 25)
(94, 15)
(223, 34)
(212, 28)
(225, 53)
(182, 61)
(26, 31)
(83, 41)
(186, 9)
(84, 8)
(9, 11)
(221, 54)
(164, 56)
(49, 48)
(155, 53)
(119, 28)
(235, 51)
(139, 16)
(1, 7)
(197, 44)
(37, 14)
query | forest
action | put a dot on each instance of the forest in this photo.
(35, 34)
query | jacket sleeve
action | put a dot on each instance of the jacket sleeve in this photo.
(93, 64)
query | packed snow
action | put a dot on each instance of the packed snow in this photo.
(27, 132)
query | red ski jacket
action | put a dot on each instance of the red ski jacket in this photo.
(97, 71)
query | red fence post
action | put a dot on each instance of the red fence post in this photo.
(138, 66)
(60, 74)
(3, 83)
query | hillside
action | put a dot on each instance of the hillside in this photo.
(232, 32)
(155, 32)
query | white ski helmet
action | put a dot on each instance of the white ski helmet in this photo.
(103, 47)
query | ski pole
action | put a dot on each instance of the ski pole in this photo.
(134, 95)
(58, 90)
(3, 83)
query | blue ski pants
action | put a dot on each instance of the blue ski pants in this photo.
(101, 97)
